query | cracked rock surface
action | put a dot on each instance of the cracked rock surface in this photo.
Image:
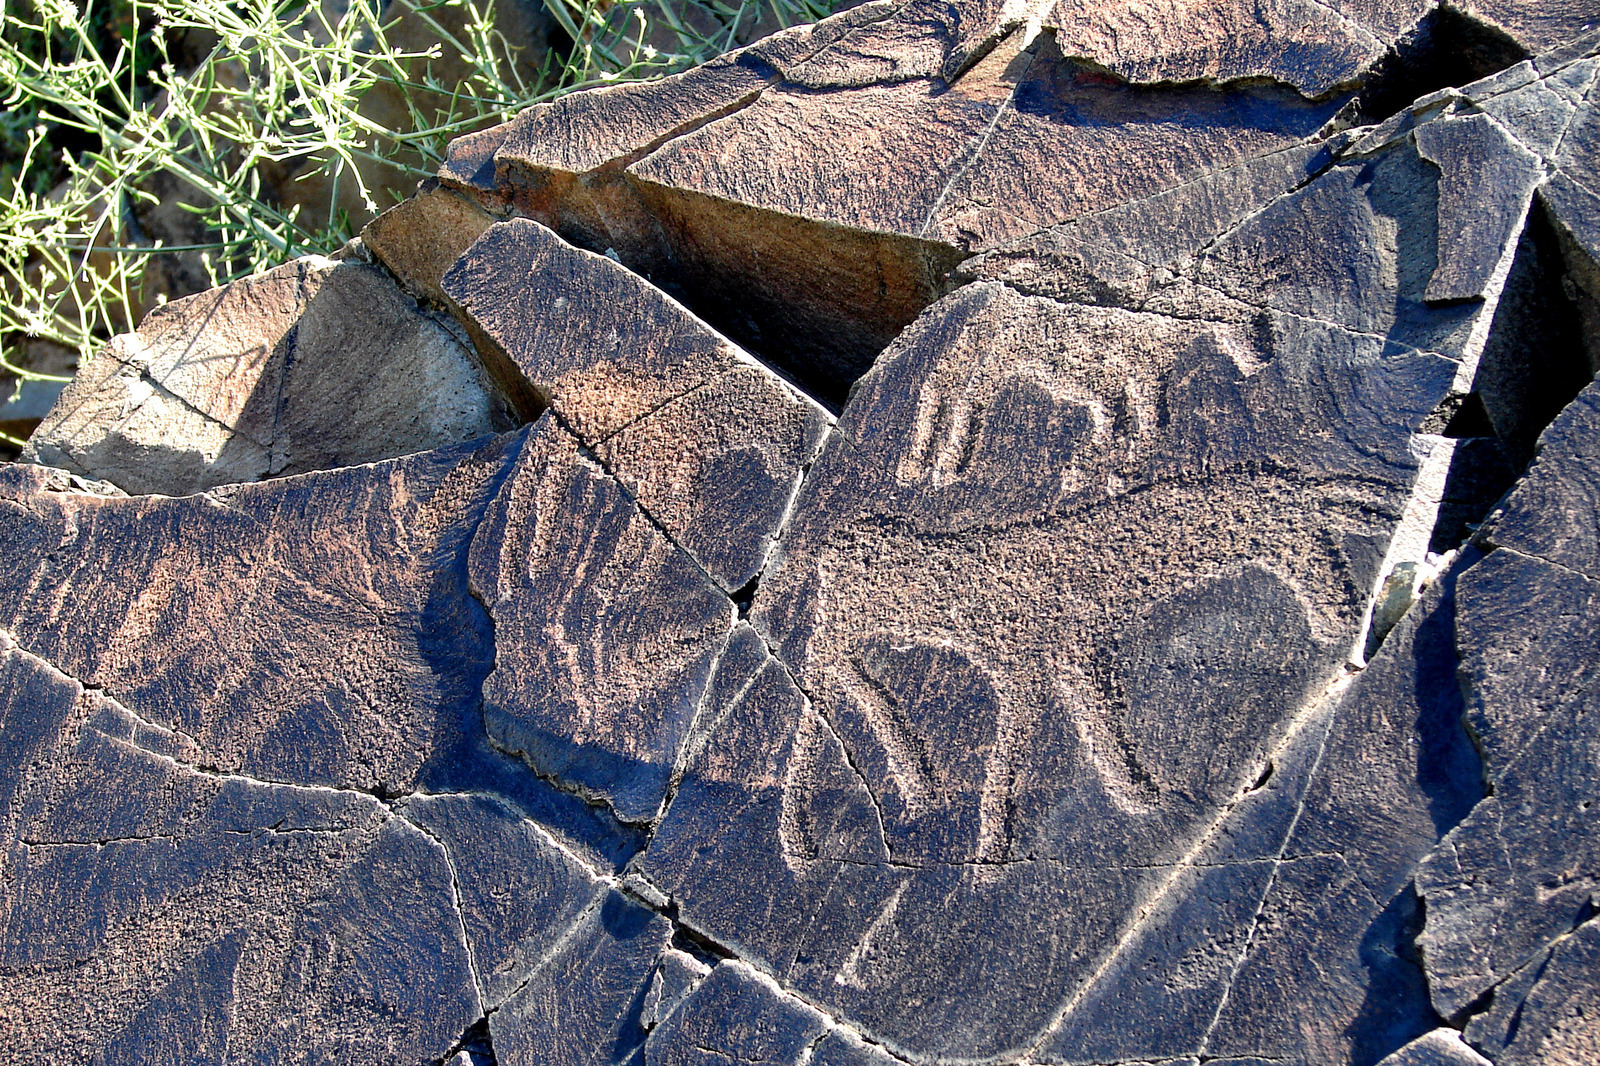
(1060, 534)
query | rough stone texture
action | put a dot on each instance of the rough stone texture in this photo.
(1536, 26)
(1314, 47)
(1478, 162)
(234, 385)
(1548, 1013)
(718, 467)
(735, 1017)
(584, 1003)
(273, 901)
(1442, 1047)
(1517, 875)
(1176, 646)
(599, 344)
(420, 238)
(605, 629)
(960, 744)
(709, 441)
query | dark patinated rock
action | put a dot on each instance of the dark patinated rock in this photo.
(1480, 164)
(518, 887)
(736, 1016)
(155, 911)
(268, 680)
(1442, 1047)
(600, 345)
(719, 467)
(584, 1003)
(883, 603)
(1516, 877)
(1105, 681)
(311, 629)
(1316, 48)
(1546, 1013)
(708, 440)
(606, 631)
(1537, 27)
(1550, 516)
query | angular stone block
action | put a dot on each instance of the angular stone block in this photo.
(516, 887)
(582, 1005)
(607, 631)
(234, 385)
(733, 1017)
(719, 466)
(601, 345)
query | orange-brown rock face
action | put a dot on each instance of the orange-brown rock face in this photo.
(962, 534)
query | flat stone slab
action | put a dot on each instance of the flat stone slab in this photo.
(976, 535)
(234, 385)
(609, 629)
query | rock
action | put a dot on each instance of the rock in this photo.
(248, 754)
(1480, 163)
(882, 602)
(819, 264)
(1442, 1047)
(233, 385)
(718, 467)
(1549, 516)
(609, 630)
(1546, 1013)
(283, 644)
(735, 1016)
(560, 316)
(1511, 879)
(420, 238)
(1315, 48)
(1011, 562)
(516, 887)
(708, 441)
(677, 974)
(290, 903)
(226, 612)
(977, 141)
(583, 1004)
(1537, 27)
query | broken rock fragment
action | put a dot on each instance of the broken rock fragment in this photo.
(234, 384)
(1441, 1047)
(735, 1016)
(602, 346)
(231, 781)
(583, 1005)
(718, 467)
(286, 644)
(1480, 164)
(1515, 879)
(1314, 47)
(298, 648)
(296, 907)
(516, 887)
(708, 440)
(419, 239)
(608, 630)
